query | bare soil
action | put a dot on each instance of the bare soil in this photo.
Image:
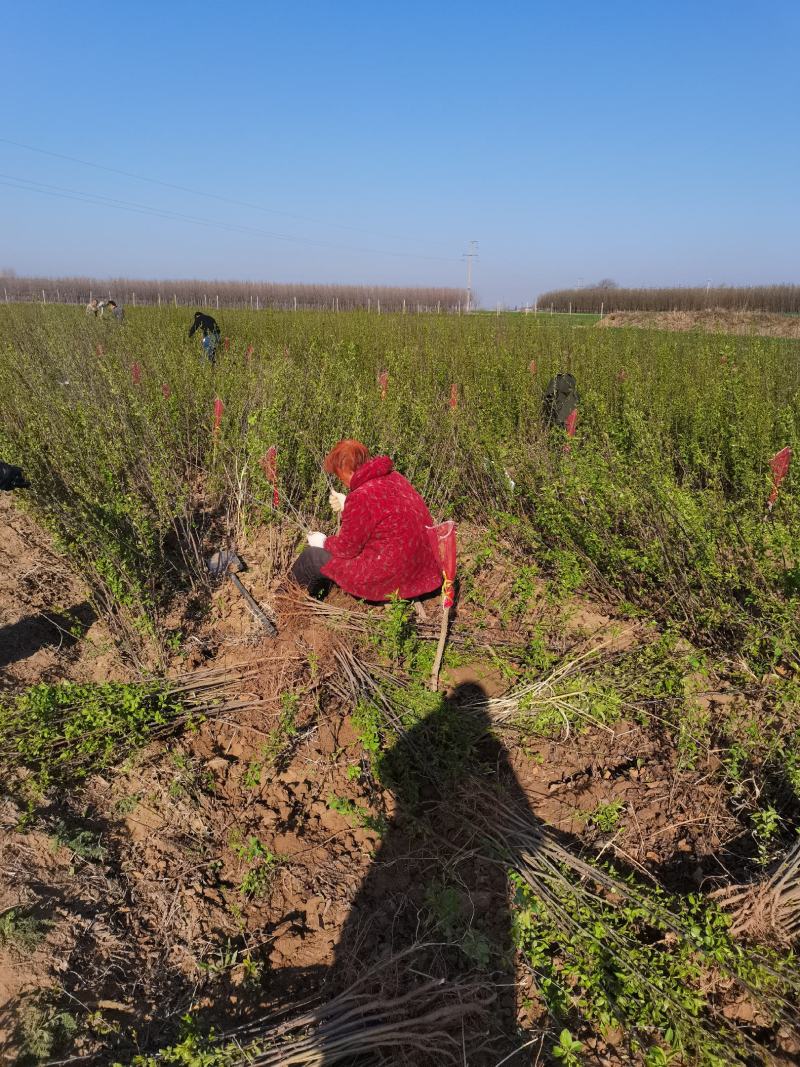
(715, 320)
(48, 629)
(177, 909)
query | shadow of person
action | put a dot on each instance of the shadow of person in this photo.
(26, 636)
(435, 882)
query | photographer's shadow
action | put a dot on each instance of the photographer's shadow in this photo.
(435, 882)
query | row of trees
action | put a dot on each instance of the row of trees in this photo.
(221, 294)
(606, 296)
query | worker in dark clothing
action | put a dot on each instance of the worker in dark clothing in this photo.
(210, 331)
(559, 402)
(12, 477)
(115, 309)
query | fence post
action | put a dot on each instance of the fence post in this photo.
(256, 301)
(217, 301)
(134, 299)
(159, 298)
(295, 303)
(570, 307)
(175, 297)
(44, 298)
(379, 307)
(602, 305)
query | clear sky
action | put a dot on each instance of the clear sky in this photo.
(647, 142)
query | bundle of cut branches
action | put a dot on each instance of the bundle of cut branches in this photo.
(574, 892)
(767, 910)
(373, 1017)
(63, 732)
(567, 693)
(295, 604)
(577, 896)
(565, 690)
(357, 680)
(362, 621)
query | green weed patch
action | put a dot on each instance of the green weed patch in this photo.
(63, 732)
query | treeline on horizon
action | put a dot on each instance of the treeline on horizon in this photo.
(229, 294)
(606, 297)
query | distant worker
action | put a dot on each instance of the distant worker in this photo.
(560, 400)
(211, 334)
(382, 547)
(11, 477)
(97, 307)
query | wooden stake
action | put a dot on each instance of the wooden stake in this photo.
(437, 663)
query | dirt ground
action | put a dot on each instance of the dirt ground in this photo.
(48, 629)
(715, 320)
(255, 860)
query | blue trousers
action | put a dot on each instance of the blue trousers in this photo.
(209, 343)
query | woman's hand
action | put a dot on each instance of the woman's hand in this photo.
(317, 539)
(336, 501)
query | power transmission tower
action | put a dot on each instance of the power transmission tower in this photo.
(469, 256)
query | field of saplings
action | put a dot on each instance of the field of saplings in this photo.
(221, 846)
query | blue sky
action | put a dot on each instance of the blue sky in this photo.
(654, 143)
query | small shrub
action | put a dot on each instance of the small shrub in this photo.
(66, 731)
(605, 817)
(21, 931)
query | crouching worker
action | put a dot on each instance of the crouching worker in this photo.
(115, 309)
(210, 333)
(382, 547)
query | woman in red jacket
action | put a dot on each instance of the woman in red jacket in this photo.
(382, 547)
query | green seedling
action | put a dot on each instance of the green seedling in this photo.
(605, 817)
(357, 815)
(568, 1049)
(21, 931)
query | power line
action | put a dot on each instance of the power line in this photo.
(44, 189)
(30, 186)
(193, 192)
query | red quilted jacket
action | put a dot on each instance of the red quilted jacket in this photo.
(382, 547)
